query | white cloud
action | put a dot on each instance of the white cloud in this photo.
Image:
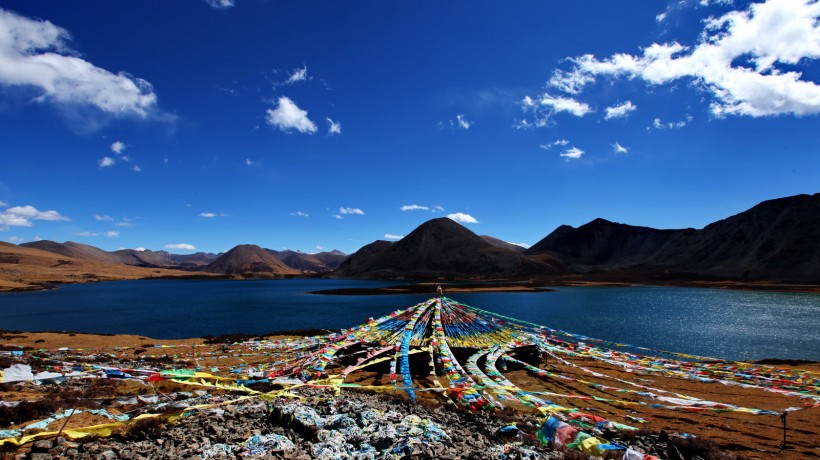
(437, 209)
(105, 162)
(658, 124)
(351, 211)
(549, 145)
(248, 162)
(414, 207)
(462, 218)
(220, 4)
(36, 53)
(21, 216)
(335, 126)
(548, 105)
(109, 234)
(287, 115)
(181, 246)
(118, 147)
(124, 223)
(3, 203)
(299, 214)
(336, 216)
(212, 214)
(620, 110)
(618, 148)
(16, 239)
(391, 237)
(738, 60)
(136, 168)
(523, 245)
(297, 75)
(320, 248)
(103, 218)
(463, 123)
(661, 17)
(572, 153)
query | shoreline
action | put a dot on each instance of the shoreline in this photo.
(460, 286)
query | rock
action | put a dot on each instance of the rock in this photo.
(42, 445)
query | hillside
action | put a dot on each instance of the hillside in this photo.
(439, 248)
(777, 240)
(74, 250)
(28, 268)
(250, 259)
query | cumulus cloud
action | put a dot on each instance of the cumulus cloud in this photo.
(618, 148)
(287, 115)
(548, 105)
(391, 237)
(118, 147)
(414, 207)
(351, 211)
(334, 127)
(462, 218)
(463, 123)
(299, 214)
(105, 162)
(21, 216)
(35, 53)
(104, 218)
(336, 216)
(181, 246)
(572, 153)
(620, 110)
(741, 60)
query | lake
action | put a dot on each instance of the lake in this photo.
(737, 325)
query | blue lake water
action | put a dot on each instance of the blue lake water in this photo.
(724, 324)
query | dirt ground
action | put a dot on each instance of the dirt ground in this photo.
(747, 435)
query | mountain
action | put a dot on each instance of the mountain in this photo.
(438, 248)
(777, 240)
(602, 245)
(28, 268)
(317, 263)
(193, 261)
(248, 258)
(74, 250)
(144, 258)
(502, 244)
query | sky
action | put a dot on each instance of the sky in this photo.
(197, 125)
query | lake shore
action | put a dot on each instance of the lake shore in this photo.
(732, 433)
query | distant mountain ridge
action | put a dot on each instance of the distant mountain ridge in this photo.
(439, 248)
(777, 240)
(295, 261)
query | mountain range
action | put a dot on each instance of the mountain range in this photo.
(777, 240)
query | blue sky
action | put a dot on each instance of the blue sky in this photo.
(199, 125)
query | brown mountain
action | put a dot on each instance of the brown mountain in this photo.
(438, 248)
(144, 258)
(249, 259)
(315, 263)
(777, 240)
(29, 268)
(75, 250)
